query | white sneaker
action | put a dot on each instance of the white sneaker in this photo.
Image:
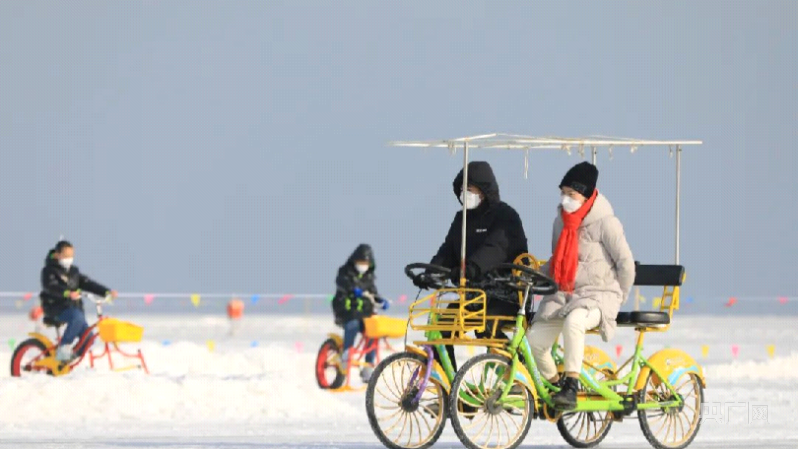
(365, 373)
(64, 354)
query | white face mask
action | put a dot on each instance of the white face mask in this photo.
(471, 200)
(66, 263)
(569, 204)
(361, 268)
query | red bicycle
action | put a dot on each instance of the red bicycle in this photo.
(378, 329)
(36, 355)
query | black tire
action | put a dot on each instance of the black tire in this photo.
(27, 345)
(434, 431)
(323, 366)
(457, 420)
(695, 399)
(590, 417)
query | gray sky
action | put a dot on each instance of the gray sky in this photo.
(241, 146)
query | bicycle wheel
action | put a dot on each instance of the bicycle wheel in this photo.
(24, 355)
(477, 418)
(585, 429)
(672, 427)
(397, 419)
(328, 376)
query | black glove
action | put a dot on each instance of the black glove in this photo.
(471, 273)
(423, 283)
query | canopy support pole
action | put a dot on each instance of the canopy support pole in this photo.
(465, 209)
(678, 197)
(595, 153)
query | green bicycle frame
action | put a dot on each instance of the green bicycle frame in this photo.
(612, 401)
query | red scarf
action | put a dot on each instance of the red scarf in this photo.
(566, 255)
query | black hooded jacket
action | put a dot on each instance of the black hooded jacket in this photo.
(346, 306)
(494, 232)
(58, 283)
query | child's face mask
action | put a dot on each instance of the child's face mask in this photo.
(470, 199)
(66, 262)
(361, 267)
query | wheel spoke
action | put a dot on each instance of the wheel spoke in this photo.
(664, 421)
(386, 418)
(425, 420)
(392, 401)
(396, 393)
(582, 423)
(387, 407)
(410, 436)
(681, 425)
(496, 424)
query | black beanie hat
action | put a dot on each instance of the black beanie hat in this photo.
(581, 177)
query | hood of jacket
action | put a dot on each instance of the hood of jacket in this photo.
(49, 260)
(480, 175)
(362, 252)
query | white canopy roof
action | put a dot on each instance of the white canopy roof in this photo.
(519, 142)
(567, 144)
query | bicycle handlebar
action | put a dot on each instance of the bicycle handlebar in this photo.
(96, 299)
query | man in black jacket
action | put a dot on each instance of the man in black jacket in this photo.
(355, 299)
(494, 235)
(62, 283)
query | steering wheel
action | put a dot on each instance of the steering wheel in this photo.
(520, 277)
(433, 275)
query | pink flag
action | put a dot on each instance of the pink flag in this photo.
(735, 350)
(27, 296)
(783, 300)
(402, 299)
(298, 346)
(732, 301)
(148, 299)
(618, 350)
(284, 299)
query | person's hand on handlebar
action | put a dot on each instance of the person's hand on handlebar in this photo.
(423, 283)
(74, 295)
(471, 273)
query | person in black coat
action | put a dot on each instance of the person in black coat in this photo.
(494, 235)
(60, 297)
(355, 298)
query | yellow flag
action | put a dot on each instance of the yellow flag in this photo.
(771, 350)
(211, 345)
(704, 351)
(470, 351)
(657, 302)
(195, 299)
(641, 299)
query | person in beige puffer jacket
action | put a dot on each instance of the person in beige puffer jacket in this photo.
(594, 268)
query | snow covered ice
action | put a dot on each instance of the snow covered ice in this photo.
(257, 389)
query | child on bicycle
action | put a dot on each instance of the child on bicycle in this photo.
(494, 235)
(356, 298)
(62, 283)
(594, 269)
